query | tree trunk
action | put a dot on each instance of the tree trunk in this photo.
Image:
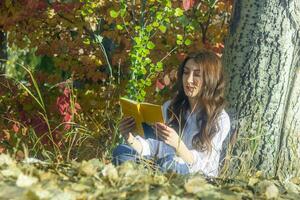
(3, 51)
(261, 58)
(289, 157)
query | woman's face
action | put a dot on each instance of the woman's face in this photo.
(192, 79)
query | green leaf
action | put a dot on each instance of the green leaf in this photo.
(178, 12)
(162, 28)
(90, 11)
(167, 20)
(120, 27)
(114, 14)
(148, 82)
(155, 24)
(123, 12)
(190, 28)
(150, 45)
(137, 40)
(84, 13)
(143, 94)
(184, 20)
(143, 70)
(179, 42)
(187, 42)
(159, 66)
(168, 4)
(146, 52)
(86, 41)
(179, 37)
(148, 60)
(137, 28)
(159, 15)
(149, 28)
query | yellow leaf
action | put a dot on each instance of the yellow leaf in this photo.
(253, 181)
(26, 181)
(110, 172)
(271, 192)
(197, 185)
(8, 3)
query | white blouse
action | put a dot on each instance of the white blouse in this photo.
(207, 163)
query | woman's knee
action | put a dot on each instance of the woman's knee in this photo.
(123, 153)
(123, 149)
(165, 160)
(169, 163)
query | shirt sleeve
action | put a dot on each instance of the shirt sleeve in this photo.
(146, 150)
(154, 148)
(208, 163)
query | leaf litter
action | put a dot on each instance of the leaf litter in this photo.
(92, 179)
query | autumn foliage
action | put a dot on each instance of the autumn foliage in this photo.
(92, 43)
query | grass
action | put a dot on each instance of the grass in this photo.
(72, 139)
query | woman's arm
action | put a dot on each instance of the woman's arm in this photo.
(134, 143)
(183, 152)
(126, 126)
(170, 137)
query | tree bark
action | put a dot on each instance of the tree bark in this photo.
(3, 51)
(288, 164)
(261, 58)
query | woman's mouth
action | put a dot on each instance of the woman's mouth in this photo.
(189, 88)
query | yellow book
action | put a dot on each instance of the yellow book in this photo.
(143, 113)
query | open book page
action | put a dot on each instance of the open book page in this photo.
(151, 113)
(131, 108)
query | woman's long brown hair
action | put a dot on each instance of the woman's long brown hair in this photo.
(211, 99)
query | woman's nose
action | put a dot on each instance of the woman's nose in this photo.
(190, 78)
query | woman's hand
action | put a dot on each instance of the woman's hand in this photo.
(167, 134)
(126, 126)
(170, 137)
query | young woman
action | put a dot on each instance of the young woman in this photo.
(196, 123)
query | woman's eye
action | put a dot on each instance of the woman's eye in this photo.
(185, 72)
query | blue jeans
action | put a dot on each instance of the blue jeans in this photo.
(123, 153)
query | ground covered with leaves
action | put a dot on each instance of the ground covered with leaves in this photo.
(35, 179)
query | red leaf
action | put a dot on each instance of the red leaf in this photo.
(62, 103)
(77, 106)
(159, 85)
(67, 117)
(16, 127)
(187, 4)
(67, 92)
